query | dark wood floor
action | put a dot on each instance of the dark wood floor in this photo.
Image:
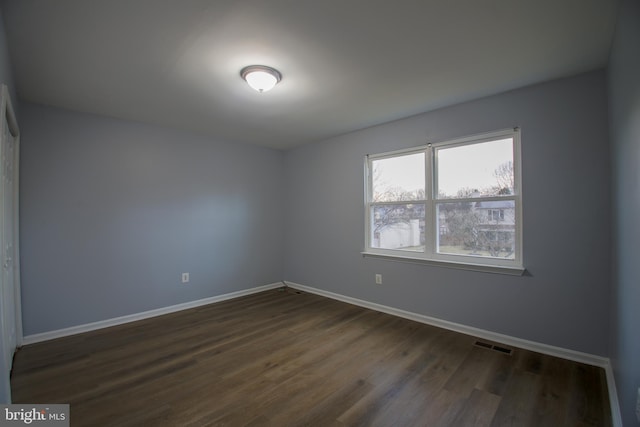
(285, 358)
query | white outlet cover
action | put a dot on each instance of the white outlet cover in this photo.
(185, 277)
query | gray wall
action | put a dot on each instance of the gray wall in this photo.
(6, 71)
(112, 212)
(6, 77)
(566, 185)
(624, 92)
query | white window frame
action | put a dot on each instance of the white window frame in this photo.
(430, 255)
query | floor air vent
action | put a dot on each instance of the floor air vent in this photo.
(497, 348)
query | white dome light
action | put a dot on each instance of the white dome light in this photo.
(260, 77)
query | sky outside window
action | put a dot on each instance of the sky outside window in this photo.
(472, 166)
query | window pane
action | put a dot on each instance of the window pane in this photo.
(484, 169)
(398, 226)
(483, 228)
(398, 178)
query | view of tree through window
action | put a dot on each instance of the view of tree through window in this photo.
(395, 225)
(447, 201)
(476, 224)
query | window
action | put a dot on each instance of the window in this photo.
(456, 202)
(496, 215)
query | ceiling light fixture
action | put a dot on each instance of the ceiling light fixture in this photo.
(261, 77)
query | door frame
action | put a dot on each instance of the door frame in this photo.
(6, 110)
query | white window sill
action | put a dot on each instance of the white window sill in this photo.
(512, 271)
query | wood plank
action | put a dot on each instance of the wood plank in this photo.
(478, 410)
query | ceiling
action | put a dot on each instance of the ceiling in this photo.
(346, 64)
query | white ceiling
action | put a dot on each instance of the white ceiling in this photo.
(346, 64)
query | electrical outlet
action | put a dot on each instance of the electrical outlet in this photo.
(378, 279)
(185, 277)
(638, 406)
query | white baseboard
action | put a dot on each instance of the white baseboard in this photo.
(46, 336)
(589, 359)
(577, 356)
(464, 329)
(616, 416)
